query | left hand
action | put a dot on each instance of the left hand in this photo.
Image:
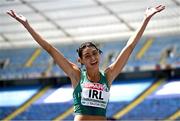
(152, 11)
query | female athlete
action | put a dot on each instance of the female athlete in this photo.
(91, 86)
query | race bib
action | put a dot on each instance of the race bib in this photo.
(95, 95)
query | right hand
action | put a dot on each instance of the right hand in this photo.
(19, 18)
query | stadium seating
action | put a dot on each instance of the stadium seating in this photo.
(17, 57)
(43, 111)
(153, 107)
(163, 49)
(13, 97)
(5, 111)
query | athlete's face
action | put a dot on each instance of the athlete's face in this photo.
(90, 57)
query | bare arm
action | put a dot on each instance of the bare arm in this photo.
(115, 68)
(68, 67)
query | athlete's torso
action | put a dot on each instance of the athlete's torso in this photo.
(91, 98)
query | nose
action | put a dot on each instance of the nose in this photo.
(93, 57)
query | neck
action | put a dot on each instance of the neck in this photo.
(93, 75)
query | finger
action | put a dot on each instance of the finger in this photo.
(160, 7)
(163, 7)
(9, 13)
(13, 13)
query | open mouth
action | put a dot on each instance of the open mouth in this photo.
(94, 63)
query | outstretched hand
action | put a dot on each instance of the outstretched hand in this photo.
(19, 18)
(152, 11)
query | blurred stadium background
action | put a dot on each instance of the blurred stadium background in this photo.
(32, 87)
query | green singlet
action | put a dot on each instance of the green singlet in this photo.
(91, 98)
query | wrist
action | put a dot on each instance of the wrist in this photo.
(146, 19)
(26, 24)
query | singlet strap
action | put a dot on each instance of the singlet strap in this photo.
(104, 78)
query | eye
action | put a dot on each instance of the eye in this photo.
(95, 52)
(87, 56)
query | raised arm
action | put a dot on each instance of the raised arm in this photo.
(115, 68)
(68, 67)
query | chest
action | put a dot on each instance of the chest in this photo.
(94, 94)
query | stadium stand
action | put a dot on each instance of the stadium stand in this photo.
(153, 109)
(151, 57)
(150, 106)
(17, 57)
(33, 87)
(43, 111)
(15, 96)
(159, 105)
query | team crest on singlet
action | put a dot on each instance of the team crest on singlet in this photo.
(94, 94)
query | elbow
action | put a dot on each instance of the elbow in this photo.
(131, 45)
